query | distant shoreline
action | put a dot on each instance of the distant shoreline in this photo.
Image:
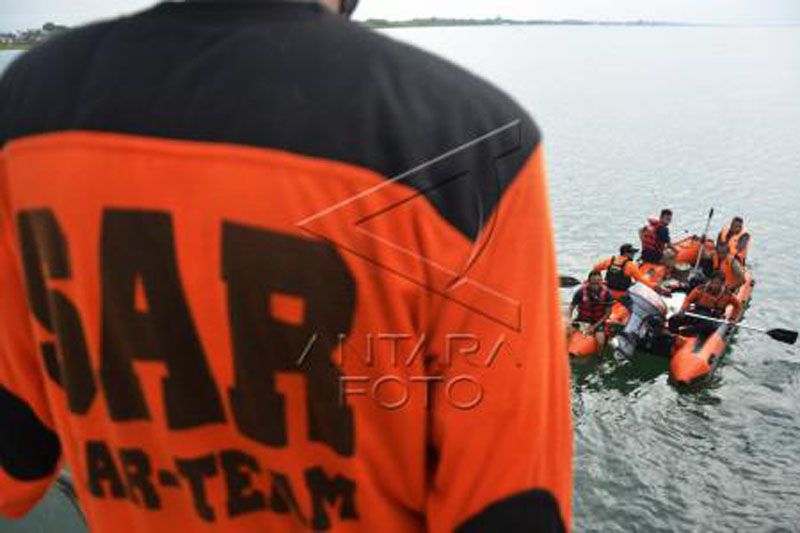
(455, 22)
(435, 22)
(447, 22)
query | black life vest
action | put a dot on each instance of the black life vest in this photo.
(592, 309)
(616, 279)
(709, 265)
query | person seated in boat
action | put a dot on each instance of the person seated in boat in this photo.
(657, 245)
(730, 267)
(621, 272)
(593, 301)
(711, 300)
(736, 237)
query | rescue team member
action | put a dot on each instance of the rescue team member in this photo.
(656, 242)
(593, 301)
(718, 259)
(621, 271)
(710, 299)
(184, 188)
(736, 237)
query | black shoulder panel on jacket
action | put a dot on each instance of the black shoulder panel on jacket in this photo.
(284, 76)
(529, 511)
(28, 449)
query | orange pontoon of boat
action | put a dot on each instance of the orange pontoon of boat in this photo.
(694, 358)
(583, 345)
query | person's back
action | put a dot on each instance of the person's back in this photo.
(241, 244)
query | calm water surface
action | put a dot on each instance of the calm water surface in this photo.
(636, 119)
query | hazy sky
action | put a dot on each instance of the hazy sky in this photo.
(16, 14)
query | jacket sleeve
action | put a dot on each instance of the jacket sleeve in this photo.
(29, 449)
(635, 273)
(602, 265)
(501, 429)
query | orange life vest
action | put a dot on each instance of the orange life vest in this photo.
(732, 242)
(716, 303)
(726, 267)
(650, 235)
(592, 309)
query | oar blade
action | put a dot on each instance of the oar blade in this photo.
(566, 282)
(783, 335)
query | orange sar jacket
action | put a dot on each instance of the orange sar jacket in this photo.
(718, 303)
(263, 269)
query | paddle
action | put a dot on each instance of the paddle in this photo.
(781, 335)
(566, 282)
(702, 244)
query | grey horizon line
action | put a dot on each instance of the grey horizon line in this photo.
(416, 22)
(499, 21)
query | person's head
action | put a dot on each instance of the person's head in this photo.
(736, 225)
(628, 250)
(715, 284)
(666, 216)
(595, 281)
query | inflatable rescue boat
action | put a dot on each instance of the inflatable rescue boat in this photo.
(642, 327)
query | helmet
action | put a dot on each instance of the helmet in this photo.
(348, 6)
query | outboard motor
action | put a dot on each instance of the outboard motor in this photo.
(647, 316)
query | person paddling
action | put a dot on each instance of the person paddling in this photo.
(711, 300)
(593, 302)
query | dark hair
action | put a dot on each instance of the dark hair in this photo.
(738, 219)
(592, 274)
(666, 212)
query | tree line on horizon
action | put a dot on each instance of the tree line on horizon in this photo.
(25, 38)
(499, 21)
